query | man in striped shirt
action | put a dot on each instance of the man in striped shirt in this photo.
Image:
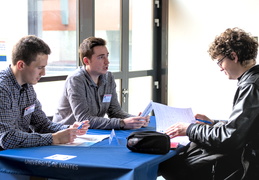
(22, 121)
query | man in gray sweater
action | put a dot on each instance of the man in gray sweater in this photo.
(90, 93)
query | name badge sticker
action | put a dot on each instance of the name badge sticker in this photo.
(29, 110)
(107, 98)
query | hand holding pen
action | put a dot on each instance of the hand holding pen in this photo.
(69, 135)
(202, 119)
(82, 127)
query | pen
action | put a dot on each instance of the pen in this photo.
(208, 122)
(79, 127)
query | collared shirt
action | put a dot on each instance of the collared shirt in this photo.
(82, 99)
(22, 121)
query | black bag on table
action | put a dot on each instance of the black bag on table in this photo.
(151, 142)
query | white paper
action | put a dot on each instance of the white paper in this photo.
(147, 110)
(183, 140)
(90, 137)
(167, 116)
(61, 157)
(87, 139)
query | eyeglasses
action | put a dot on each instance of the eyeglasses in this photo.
(219, 63)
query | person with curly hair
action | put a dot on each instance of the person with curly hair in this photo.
(226, 149)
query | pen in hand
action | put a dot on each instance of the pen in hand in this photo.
(207, 122)
(79, 127)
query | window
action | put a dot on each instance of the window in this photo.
(133, 41)
(108, 27)
(55, 22)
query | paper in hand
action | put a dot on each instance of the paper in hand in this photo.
(147, 110)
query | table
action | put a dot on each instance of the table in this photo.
(102, 160)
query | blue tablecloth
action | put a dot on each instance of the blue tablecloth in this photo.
(99, 161)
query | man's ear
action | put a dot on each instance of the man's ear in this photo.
(86, 61)
(234, 57)
(20, 64)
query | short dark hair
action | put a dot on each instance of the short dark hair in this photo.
(234, 40)
(27, 49)
(86, 47)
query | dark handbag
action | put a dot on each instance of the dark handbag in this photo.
(151, 142)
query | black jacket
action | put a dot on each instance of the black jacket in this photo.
(241, 132)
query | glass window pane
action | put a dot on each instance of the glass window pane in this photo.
(139, 97)
(58, 23)
(49, 94)
(54, 21)
(141, 35)
(107, 26)
(13, 27)
(118, 89)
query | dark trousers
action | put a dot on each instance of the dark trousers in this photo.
(227, 168)
(175, 168)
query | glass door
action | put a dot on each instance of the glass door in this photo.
(140, 54)
(128, 29)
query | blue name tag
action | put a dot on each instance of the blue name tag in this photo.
(107, 98)
(29, 110)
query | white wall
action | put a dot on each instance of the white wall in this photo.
(13, 14)
(194, 79)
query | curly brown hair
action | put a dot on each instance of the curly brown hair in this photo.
(234, 40)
